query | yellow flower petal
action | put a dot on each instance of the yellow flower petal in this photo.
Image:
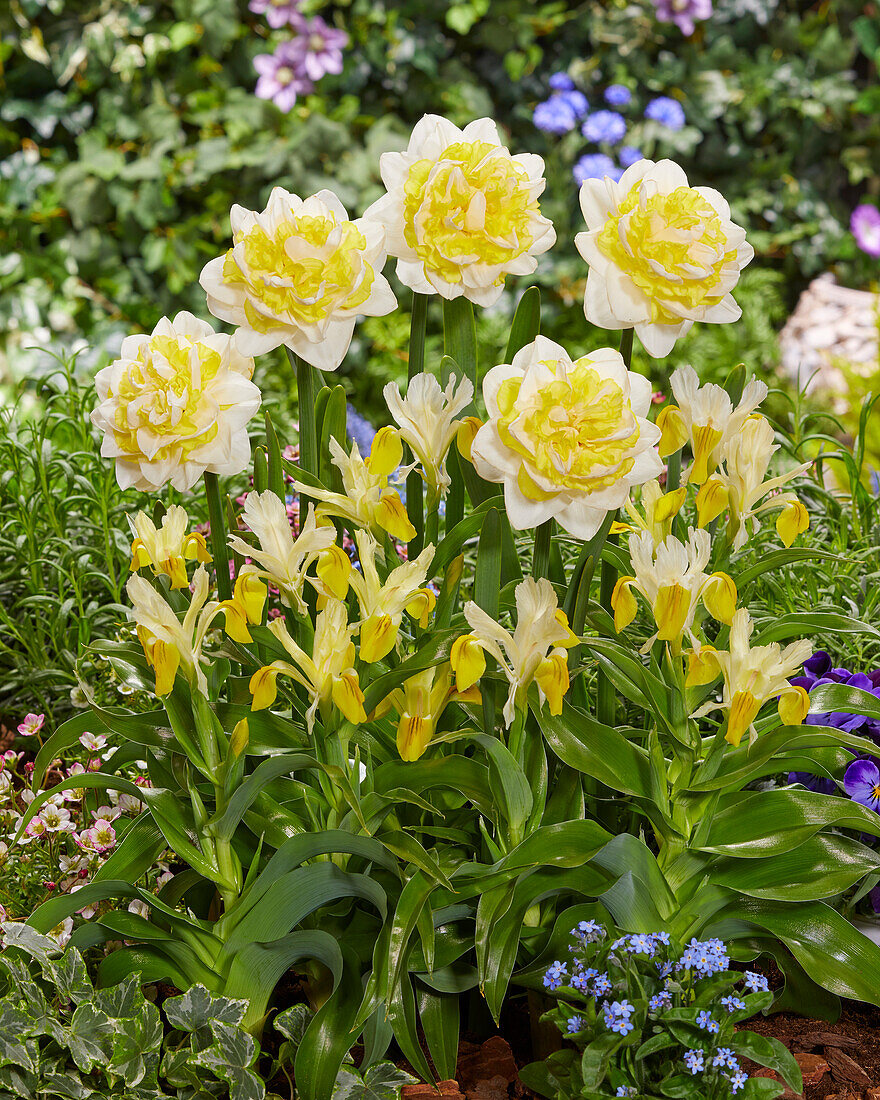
(386, 452)
(466, 434)
(623, 603)
(712, 499)
(792, 521)
(553, 679)
(671, 611)
(263, 686)
(414, 734)
(719, 597)
(391, 517)
(240, 736)
(744, 709)
(794, 706)
(673, 433)
(706, 438)
(378, 635)
(334, 570)
(703, 666)
(165, 659)
(421, 606)
(348, 697)
(250, 596)
(468, 662)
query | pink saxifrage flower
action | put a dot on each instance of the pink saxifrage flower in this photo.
(320, 46)
(94, 742)
(32, 724)
(865, 227)
(683, 13)
(277, 12)
(282, 77)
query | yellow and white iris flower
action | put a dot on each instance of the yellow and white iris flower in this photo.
(461, 212)
(368, 502)
(536, 651)
(166, 549)
(566, 439)
(662, 254)
(382, 604)
(284, 560)
(171, 644)
(175, 404)
(740, 486)
(299, 273)
(671, 576)
(420, 702)
(328, 674)
(752, 675)
(427, 421)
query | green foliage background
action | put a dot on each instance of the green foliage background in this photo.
(128, 129)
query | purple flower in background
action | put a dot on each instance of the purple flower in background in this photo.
(683, 13)
(865, 227)
(604, 126)
(281, 76)
(629, 155)
(618, 95)
(277, 12)
(668, 112)
(320, 46)
(554, 116)
(595, 166)
(576, 100)
(862, 783)
(561, 82)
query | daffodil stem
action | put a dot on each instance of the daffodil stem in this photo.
(417, 329)
(541, 555)
(217, 521)
(606, 701)
(673, 472)
(306, 394)
(626, 346)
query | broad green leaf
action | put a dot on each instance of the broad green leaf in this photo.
(767, 1051)
(526, 322)
(329, 1036)
(440, 1013)
(809, 623)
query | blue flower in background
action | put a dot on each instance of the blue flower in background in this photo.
(724, 1056)
(738, 1081)
(561, 82)
(694, 1060)
(576, 100)
(595, 166)
(606, 126)
(660, 1000)
(359, 430)
(555, 116)
(629, 154)
(574, 1024)
(733, 1004)
(668, 112)
(617, 1017)
(706, 1022)
(618, 95)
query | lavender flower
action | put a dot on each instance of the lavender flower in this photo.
(617, 1017)
(561, 82)
(618, 95)
(660, 1000)
(278, 12)
(683, 13)
(733, 1004)
(574, 1024)
(556, 972)
(694, 1060)
(554, 116)
(738, 1081)
(320, 46)
(668, 112)
(281, 76)
(865, 227)
(359, 430)
(595, 166)
(629, 154)
(576, 100)
(757, 983)
(606, 126)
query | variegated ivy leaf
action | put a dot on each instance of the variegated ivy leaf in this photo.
(380, 1082)
(124, 1001)
(89, 1038)
(18, 1083)
(69, 976)
(136, 1043)
(293, 1022)
(195, 1010)
(15, 1025)
(29, 940)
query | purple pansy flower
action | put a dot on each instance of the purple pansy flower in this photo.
(604, 126)
(281, 76)
(865, 227)
(320, 46)
(278, 12)
(683, 13)
(862, 783)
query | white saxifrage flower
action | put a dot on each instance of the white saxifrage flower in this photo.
(174, 404)
(461, 212)
(428, 420)
(299, 273)
(566, 439)
(662, 254)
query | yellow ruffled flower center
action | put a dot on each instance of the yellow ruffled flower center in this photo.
(672, 246)
(577, 433)
(162, 392)
(473, 206)
(311, 266)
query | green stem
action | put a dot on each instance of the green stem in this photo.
(606, 701)
(306, 393)
(673, 472)
(626, 346)
(541, 555)
(416, 365)
(219, 549)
